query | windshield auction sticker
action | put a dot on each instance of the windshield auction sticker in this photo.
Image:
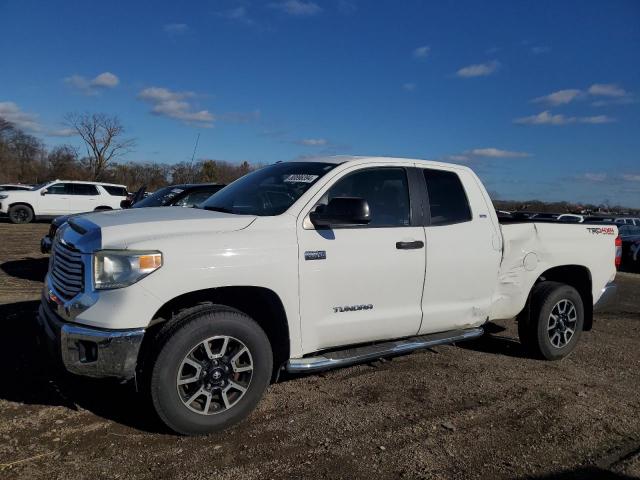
(300, 178)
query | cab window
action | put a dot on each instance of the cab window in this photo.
(448, 201)
(386, 190)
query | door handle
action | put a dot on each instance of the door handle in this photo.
(410, 245)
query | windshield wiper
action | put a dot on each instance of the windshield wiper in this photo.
(218, 209)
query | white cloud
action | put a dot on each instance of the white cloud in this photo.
(422, 52)
(409, 87)
(593, 177)
(93, 86)
(105, 80)
(496, 153)
(23, 120)
(561, 97)
(478, 70)
(298, 8)
(29, 122)
(547, 118)
(630, 177)
(238, 14)
(313, 142)
(172, 104)
(607, 90)
(596, 119)
(175, 28)
(62, 132)
(538, 50)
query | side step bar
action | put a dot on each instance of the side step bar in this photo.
(351, 356)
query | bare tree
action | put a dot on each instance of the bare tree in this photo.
(102, 135)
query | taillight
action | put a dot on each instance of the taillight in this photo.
(618, 252)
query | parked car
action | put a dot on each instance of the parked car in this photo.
(630, 236)
(60, 197)
(628, 221)
(308, 265)
(570, 217)
(184, 195)
(9, 187)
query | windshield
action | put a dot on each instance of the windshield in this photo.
(38, 187)
(268, 191)
(160, 198)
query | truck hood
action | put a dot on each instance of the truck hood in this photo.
(122, 228)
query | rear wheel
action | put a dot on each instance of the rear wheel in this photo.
(211, 371)
(554, 322)
(20, 214)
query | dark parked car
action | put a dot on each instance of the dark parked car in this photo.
(185, 195)
(630, 236)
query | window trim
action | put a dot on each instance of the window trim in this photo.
(427, 203)
(414, 203)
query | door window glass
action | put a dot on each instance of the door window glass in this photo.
(447, 199)
(194, 198)
(59, 189)
(386, 191)
(84, 189)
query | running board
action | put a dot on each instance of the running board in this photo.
(351, 356)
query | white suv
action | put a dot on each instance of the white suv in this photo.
(60, 197)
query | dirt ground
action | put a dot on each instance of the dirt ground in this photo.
(478, 410)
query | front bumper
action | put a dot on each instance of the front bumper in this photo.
(609, 292)
(87, 351)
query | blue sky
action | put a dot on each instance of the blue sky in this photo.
(541, 98)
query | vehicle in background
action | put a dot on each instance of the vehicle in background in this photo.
(630, 236)
(570, 217)
(545, 216)
(185, 195)
(627, 221)
(60, 197)
(10, 187)
(308, 265)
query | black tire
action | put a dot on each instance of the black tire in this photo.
(186, 333)
(21, 214)
(102, 209)
(550, 338)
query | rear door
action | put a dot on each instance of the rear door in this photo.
(362, 283)
(463, 253)
(85, 198)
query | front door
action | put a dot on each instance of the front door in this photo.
(56, 199)
(362, 283)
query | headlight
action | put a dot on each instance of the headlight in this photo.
(3, 196)
(121, 268)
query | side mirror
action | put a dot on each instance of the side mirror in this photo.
(126, 203)
(342, 211)
(43, 192)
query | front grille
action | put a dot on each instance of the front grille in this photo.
(67, 271)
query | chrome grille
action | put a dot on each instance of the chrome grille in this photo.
(67, 271)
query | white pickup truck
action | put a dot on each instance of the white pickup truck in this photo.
(60, 197)
(307, 265)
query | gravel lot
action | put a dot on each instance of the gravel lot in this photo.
(480, 410)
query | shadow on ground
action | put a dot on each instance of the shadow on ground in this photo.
(29, 376)
(33, 269)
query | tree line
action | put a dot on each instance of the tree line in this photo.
(25, 159)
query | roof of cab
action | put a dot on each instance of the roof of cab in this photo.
(340, 159)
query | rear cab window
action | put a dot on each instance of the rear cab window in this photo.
(448, 202)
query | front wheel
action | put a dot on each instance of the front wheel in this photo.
(211, 371)
(554, 322)
(20, 214)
